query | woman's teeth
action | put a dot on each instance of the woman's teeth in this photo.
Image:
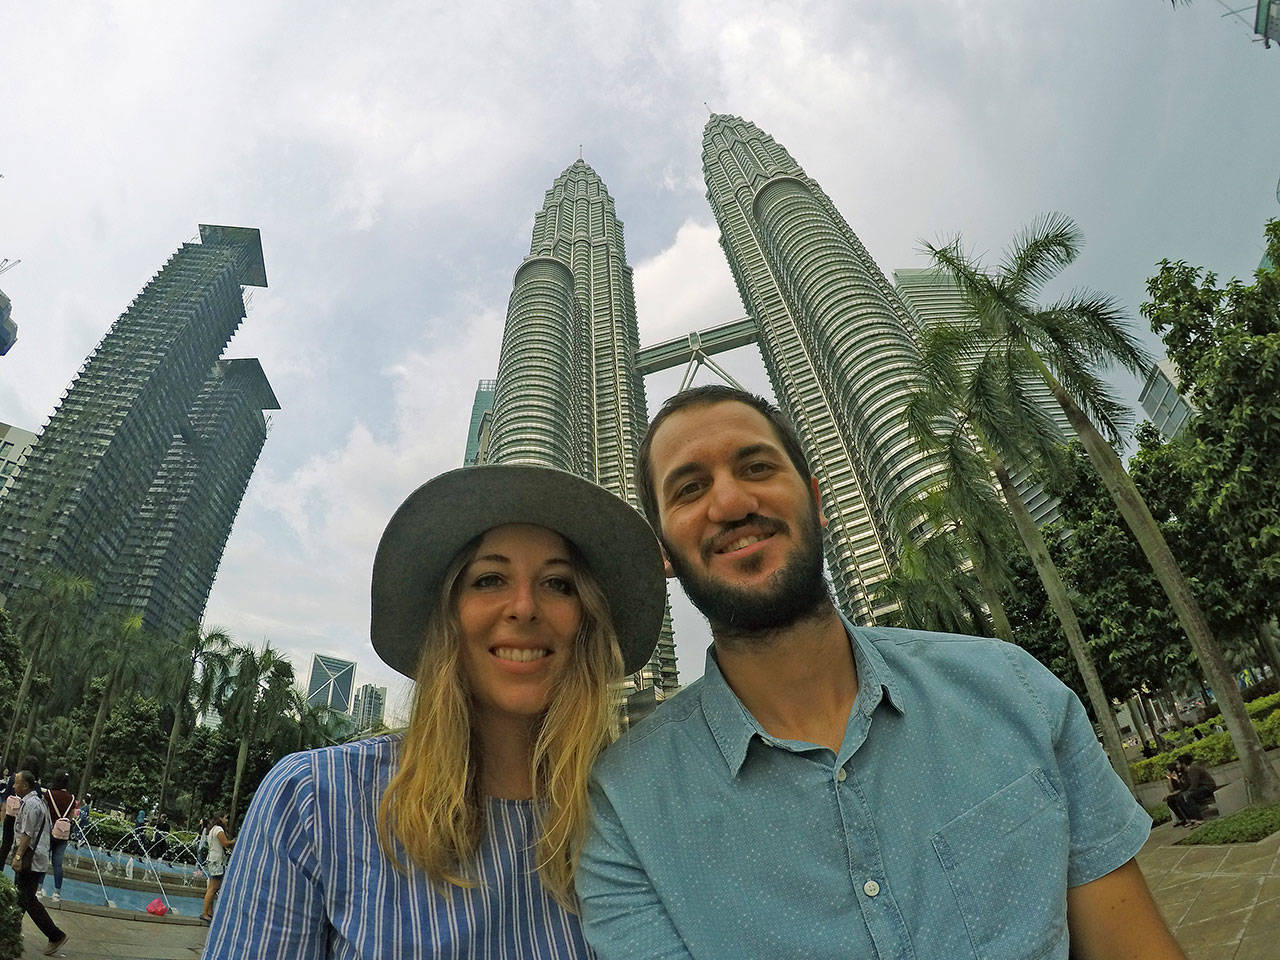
(519, 655)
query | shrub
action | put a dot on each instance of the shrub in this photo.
(1213, 750)
(1250, 824)
(1159, 814)
(10, 921)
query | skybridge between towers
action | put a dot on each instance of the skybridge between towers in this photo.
(697, 348)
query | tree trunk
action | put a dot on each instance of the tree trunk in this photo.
(24, 689)
(1161, 743)
(1061, 602)
(995, 606)
(174, 733)
(1262, 783)
(1139, 722)
(100, 721)
(1173, 713)
(24, 746)
(1267, 641)
(242, 756)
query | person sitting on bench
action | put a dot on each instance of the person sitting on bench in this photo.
(1174, 800)
(1198, 787)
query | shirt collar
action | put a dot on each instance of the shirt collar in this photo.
(733, 726)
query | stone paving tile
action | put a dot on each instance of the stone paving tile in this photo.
(1209, 939)
(1257, 948)
(1202, 860)
(1222, 900)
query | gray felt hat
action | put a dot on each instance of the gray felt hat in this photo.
(446, 513)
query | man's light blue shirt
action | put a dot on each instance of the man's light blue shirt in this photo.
(968, 794)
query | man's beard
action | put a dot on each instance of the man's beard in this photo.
(797, 591)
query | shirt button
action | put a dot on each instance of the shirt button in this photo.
(840, 775)
(871, 888)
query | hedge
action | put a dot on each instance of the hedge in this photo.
(1214, 749)
(1250, 824)
(10, 921)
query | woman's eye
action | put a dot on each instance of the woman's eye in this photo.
(486, 580)
(562, 585)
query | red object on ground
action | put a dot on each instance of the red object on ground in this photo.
(157, 907)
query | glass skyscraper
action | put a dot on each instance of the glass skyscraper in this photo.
(838, 343)
(568, 393)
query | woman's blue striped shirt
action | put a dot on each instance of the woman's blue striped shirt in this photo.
(308, 880)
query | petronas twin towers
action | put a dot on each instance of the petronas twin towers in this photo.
(837, 339)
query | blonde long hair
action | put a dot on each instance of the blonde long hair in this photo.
(432, 811)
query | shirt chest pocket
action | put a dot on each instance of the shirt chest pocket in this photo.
(1006, 861)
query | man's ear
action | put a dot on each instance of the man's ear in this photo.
(666, 562)
(817, 496)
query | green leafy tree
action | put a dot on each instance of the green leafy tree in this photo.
(128, 653)
(46, 616)
(1062, 345)
(192, 680)
(253, 698)
(130, 753)
(981, 425)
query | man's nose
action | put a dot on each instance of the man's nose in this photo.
(731, 500)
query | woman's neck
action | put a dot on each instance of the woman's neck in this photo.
(506, 755)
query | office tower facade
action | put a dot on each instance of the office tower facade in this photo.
(171, 556)
(838, 343)
(331, 683)
(1168, 409)
(481, 428)
(568, 392)
(15, 444)
(370, 707)
(91, 467)
(937, 300)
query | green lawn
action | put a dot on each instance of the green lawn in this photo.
(1250, 824)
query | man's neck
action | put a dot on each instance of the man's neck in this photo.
(799, 682)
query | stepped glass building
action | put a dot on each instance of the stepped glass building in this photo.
(138, 474)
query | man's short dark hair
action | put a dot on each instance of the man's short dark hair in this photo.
(704, 397)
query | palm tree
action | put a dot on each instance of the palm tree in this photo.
(961, 413)
(252, 699)
(192, 680)
(47, 615)
(129, 654)
(931, 588)
(1062, 345)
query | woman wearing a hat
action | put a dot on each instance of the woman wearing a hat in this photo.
(516, 597)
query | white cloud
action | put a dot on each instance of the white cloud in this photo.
(685, 287)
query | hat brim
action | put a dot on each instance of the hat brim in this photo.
(448, 512)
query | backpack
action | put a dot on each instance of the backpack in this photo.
(61, 829)
(12, 804)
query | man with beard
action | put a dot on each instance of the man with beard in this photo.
(826, 790)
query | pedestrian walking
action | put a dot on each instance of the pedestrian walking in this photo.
(60, 802)
(31, 856)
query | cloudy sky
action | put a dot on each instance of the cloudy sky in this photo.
(393, 156)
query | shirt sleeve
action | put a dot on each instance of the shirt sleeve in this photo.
(1108, 825)
(622, 915)
(271, 905)
(23, 827)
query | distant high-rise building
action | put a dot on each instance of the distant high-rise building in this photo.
(1168, 409)
(331, 682)
(15, 444)
(76, 501)
(8, 329)
(568, 392)
(175, 545)
(937, 300)
(370, 707)
(838, 343)
(480, 431)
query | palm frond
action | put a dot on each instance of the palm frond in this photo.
(1039, 252)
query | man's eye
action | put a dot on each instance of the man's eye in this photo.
(758, 468)
(687, 490)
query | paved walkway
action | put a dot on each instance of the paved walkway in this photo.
(1222, 903)
(93, 937)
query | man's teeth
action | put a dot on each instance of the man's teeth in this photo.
(743, 542)
(518, 654)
